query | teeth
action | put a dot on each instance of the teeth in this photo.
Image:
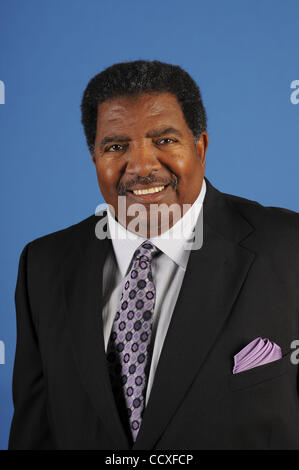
(148, 191)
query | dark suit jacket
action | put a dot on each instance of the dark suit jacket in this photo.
(243, 283)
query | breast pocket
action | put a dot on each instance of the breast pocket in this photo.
(260, 374)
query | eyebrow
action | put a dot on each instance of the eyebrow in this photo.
(115, 138)
(150, 134)
(166, 130)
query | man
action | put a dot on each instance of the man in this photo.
(136, 340)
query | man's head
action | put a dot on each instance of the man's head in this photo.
(145, 126)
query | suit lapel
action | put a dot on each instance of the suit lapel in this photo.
(214, 276)
(83, 297)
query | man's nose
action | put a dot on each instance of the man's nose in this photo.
(142, 159)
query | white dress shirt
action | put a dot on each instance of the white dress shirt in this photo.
(168, 270)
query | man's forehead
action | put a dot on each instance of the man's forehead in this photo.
(152, 102)
(131, 110)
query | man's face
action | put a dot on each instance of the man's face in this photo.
(144, 143)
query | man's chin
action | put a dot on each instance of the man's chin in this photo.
(149, 219)
(148, 227)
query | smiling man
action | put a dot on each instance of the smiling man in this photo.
(145, 150)
(130, 335)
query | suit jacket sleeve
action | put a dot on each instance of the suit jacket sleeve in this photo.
(30, 426)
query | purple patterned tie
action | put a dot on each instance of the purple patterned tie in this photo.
(128, 347)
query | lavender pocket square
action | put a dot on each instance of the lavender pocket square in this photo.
(260, 351)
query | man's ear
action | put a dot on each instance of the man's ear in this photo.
(201, 146)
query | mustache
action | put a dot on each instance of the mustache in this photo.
(124, 187)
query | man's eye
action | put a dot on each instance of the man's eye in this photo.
(166, 140)
(114, 148)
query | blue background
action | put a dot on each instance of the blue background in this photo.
(243, 54)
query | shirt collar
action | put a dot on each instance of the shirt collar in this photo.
(172, 242)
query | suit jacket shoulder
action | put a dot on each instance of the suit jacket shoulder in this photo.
(49, 258)
(277, 215)
(55, 248)
(273, 220)
(274, 232)
(276, 229)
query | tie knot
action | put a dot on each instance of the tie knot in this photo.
(146, 251)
